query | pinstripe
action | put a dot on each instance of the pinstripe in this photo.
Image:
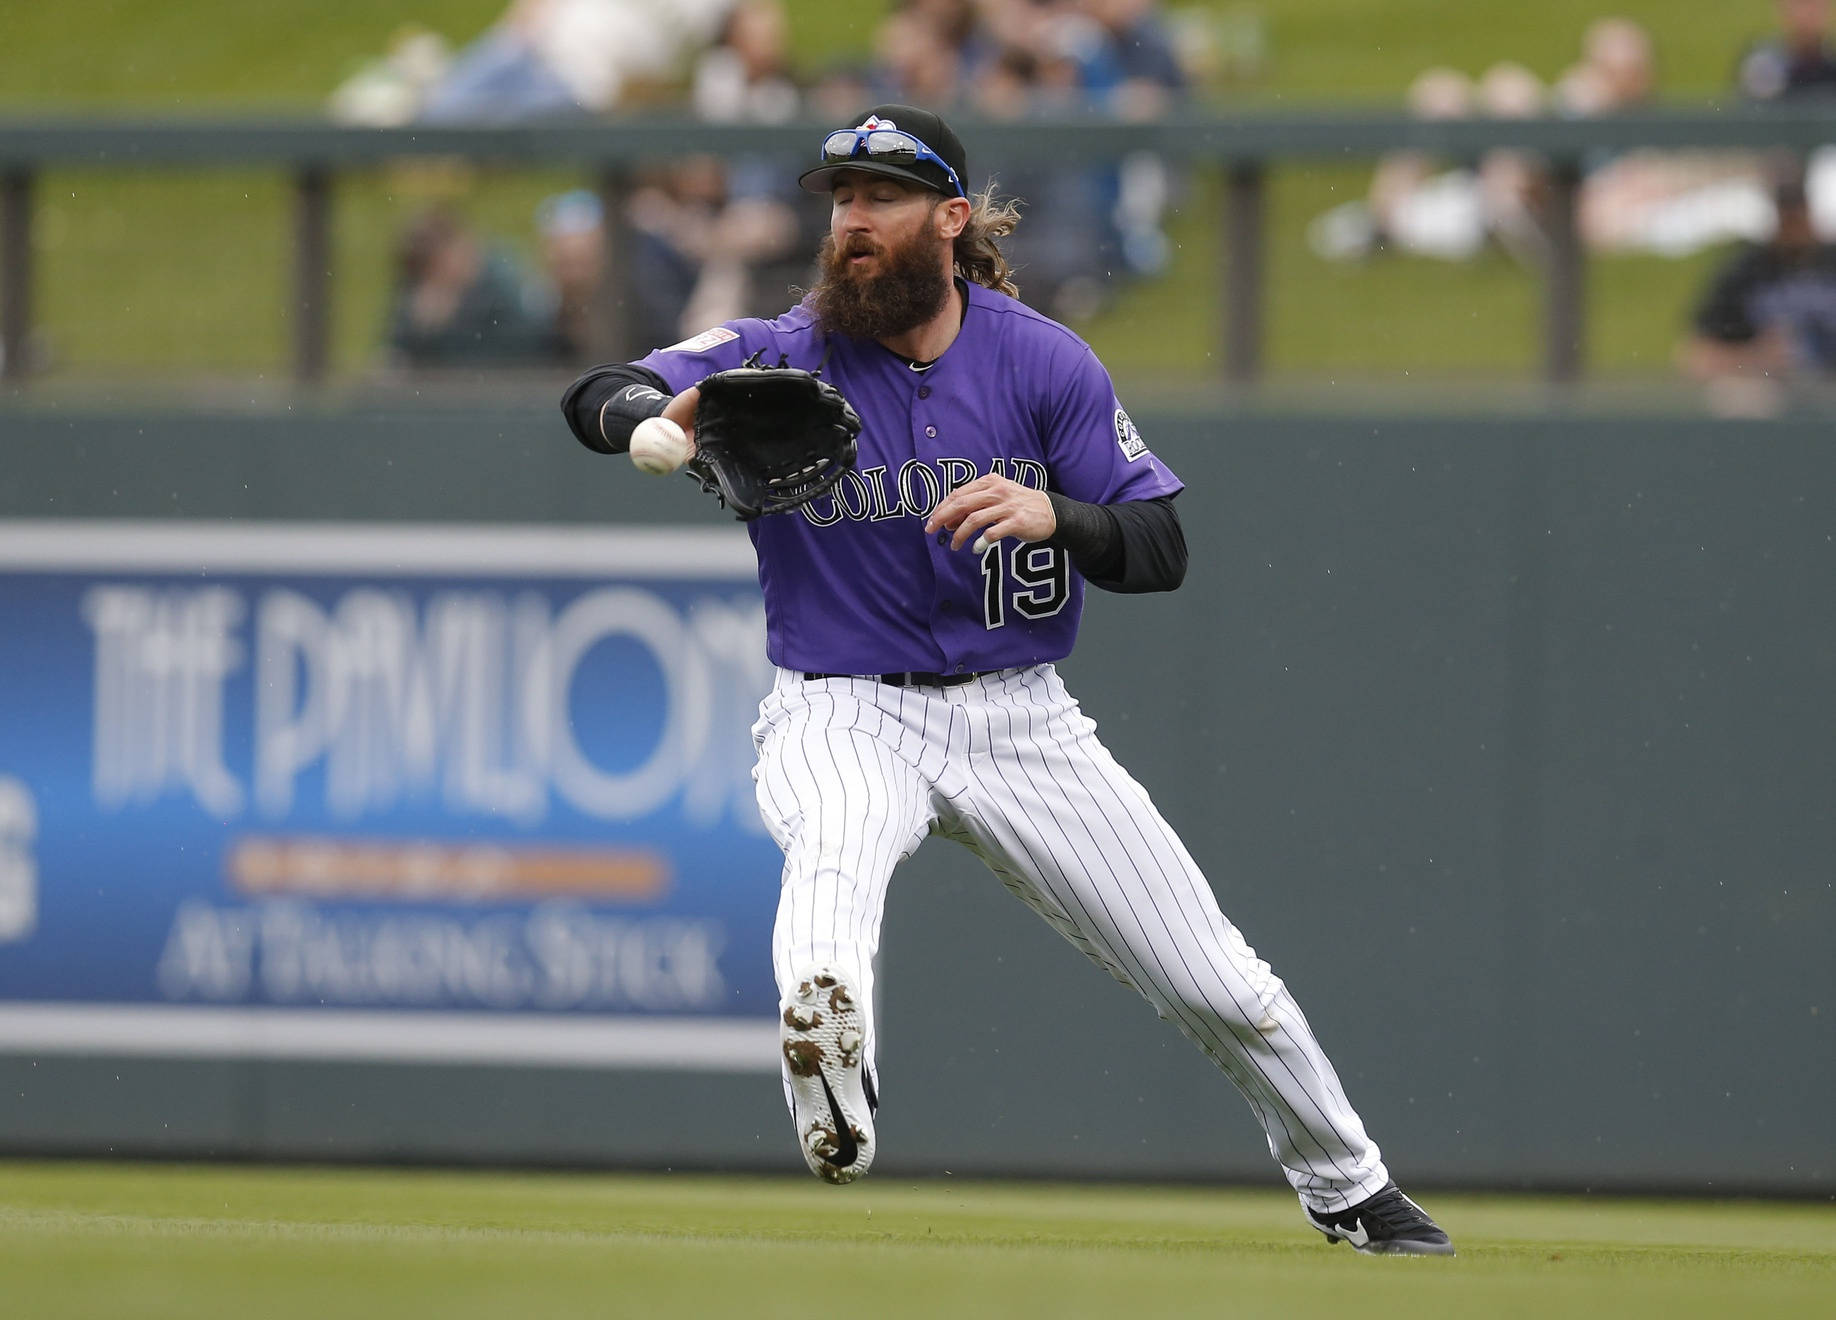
(1220, 1049)
(1219, 943)
(1120, 950)
(881, 780)
(838, 858)
(1036, 893)
(830, 730)
(1104, 956)
(1265, 986)
(1239, 1023)
(825, 803)
(1223, 966)
(860, 926)
(1213, 1045)
(1089, 926)
(1142, 981)
(1131, 898)
(1222, 963)
(810, 815)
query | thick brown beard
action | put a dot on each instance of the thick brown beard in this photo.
(911, 288)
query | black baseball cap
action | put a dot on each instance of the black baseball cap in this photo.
(927, 127)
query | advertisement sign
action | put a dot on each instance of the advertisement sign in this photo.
(404, 792)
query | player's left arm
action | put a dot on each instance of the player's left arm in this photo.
(1109, 502)
(1128, 546)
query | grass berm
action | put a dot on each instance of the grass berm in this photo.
(161, 273)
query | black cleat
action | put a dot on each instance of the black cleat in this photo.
(1389, 1224)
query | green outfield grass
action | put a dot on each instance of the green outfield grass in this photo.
(84, 1240)
(187, 271)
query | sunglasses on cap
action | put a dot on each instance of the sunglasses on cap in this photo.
(893, 146)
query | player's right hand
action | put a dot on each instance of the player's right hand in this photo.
(996, 507)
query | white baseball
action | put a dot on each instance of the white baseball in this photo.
(659, 446)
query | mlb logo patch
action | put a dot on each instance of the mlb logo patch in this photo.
(1132, 445)
(702, 342)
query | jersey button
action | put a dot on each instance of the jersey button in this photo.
(960, 668)
(945, 607)
(924, 391)
(931, 431)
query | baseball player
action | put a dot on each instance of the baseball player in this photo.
(915, 610)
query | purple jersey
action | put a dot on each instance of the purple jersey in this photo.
(852, 584)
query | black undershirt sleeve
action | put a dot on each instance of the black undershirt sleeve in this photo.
(605, 405)
(1134, 546)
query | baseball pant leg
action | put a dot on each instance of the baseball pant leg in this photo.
(846, 809)
(1051, 811)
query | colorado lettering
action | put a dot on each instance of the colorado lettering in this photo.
(875, 494)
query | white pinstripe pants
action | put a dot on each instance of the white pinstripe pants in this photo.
(853, 774)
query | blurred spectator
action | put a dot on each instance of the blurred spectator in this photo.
(1069, 248)
(1421, 205)
(1005, 89)
(1026, 25)
(1770, 310)
(459, 302)
(761, 234)
(841, 90)
(1798, 63)
(706, 254)
(554, 58)
(1666, 202)
(1079, 68)
(1415, 203)
(1150, 78)
(1617, 70)
(916, 61)
(573, 234)
(1148, 81)
(670, 215)
(1513, 185)
(389, 91)
(745, 75)
(1672, 203)
(957, 22)
(1008, 59)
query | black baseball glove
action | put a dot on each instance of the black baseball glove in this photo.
(771, 439)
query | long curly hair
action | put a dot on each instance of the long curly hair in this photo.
(978, 256)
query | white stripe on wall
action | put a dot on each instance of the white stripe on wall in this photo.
(82, 545)
(689, 1044)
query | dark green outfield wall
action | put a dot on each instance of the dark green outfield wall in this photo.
(1510, 742)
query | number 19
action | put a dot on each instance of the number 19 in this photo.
(1043, 575)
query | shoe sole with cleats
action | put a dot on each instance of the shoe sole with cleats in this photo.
(823, 1036)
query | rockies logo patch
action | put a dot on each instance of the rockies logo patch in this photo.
(1133, 446)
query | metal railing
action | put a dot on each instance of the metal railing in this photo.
(1243, 147)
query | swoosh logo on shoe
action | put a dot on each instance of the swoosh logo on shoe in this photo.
(848, 1149)
(1355, 1233)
